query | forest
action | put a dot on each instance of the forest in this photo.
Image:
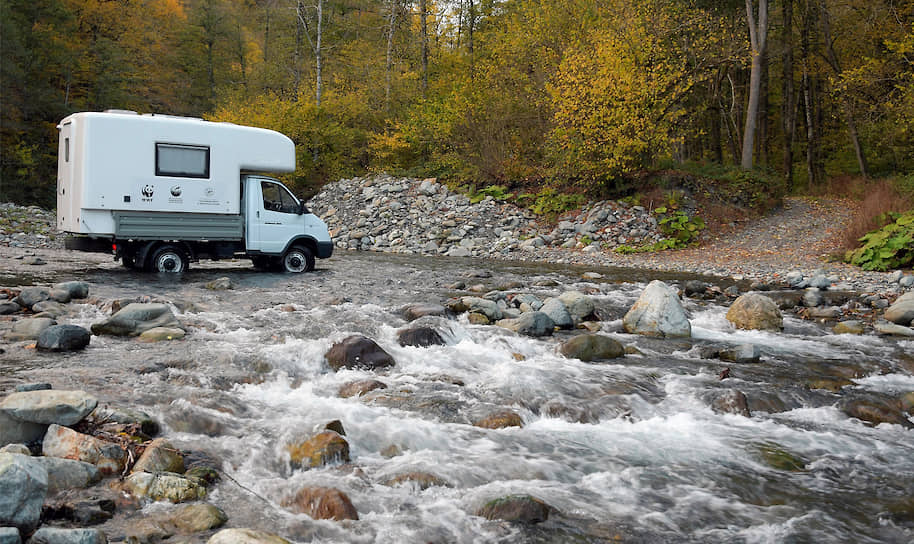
(574, 95)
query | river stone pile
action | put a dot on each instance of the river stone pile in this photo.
(404, 215)
(28, 226)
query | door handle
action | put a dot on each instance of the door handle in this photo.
(258, 215)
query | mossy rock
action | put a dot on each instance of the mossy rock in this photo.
(781, 459)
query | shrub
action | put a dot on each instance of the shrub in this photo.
(887, 248)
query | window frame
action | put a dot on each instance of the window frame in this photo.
(190, 175)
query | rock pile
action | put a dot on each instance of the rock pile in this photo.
(404, 215)
(28, 226)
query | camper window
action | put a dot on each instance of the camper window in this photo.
(277, 198)
(182, 161)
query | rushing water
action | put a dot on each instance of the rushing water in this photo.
(624, 451)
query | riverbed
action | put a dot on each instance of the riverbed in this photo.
(625, 450)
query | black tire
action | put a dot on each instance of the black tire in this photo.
(262, 262)
(128, 260)
(169, 259)
(297, 260)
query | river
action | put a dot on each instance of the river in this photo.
(623, 451)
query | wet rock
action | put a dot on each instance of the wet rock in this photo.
(781, 459)
(187, 418)
(245, 536)
(163, 486)
(81, 512)
(534, 324)
(220, 284)
(335, 426)
(23, 487)
(7, 308)
(323, 503)
(9, 535)
(107, 415)
(360, 387)
(49, 406)
(160, 456)
(28, 329)
(875, 411)
(785, 300)
(848, 327)
(33, 387)
(558, 313)
(49, 308)
(413, 312)
(592, 347)
(500, 420)
(21, 449)
(30, 296)
(475, 318)
(66, 474)
(743, 353)
(833, 385)
(196, 518)
(63, 338)
(755, 312)
(53, 535)
(519, 508)
(358, 352)
(74, 289)
(695, 288)
(160, 334)
(135, 318)
(907, 402)
(731, 402)
(323, 448)
(69, 444)
(488, 308)
(891, 329)
(658, 312)
(421, 480)
(16, 431)
(901, 312)
(420, 337)
(829, 312)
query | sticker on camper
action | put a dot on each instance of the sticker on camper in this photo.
(175, 197)
(176, 191)
(148, 191)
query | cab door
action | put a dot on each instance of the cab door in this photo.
(273, 215)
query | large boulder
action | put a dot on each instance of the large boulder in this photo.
(323, 503)
(358, 351)
(136, 318)
(658, 312)
(245, 536)
(9, 535)
(902, 311)
(23, 487)
(519, 508)
(49, 406)
(755, 311)
(160, 456)
(63, 338)
(163, 486)
(66, 443)
(28, 329)
(529, 324)
(592, 347)
(557, 311)
(66, 474)
(323, 448)
(16, 431)
(579, 305)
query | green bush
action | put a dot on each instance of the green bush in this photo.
(888, 248)
(679, 227)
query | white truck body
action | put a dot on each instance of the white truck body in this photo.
(144, 181)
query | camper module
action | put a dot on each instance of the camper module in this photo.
(161, 192)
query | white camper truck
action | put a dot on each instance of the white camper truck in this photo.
(161, 191)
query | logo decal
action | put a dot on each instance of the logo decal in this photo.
(148, 191)
(176, 191)
(210, 191)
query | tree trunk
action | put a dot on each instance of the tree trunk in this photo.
(763, 145)
(716, 118)
(814, 169)
(788, 107)
(758, 38)
(423, 37)
(318, 59)
(391, 22)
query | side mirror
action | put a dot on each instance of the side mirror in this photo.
(302, 209)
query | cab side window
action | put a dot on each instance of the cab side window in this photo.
(277, 198)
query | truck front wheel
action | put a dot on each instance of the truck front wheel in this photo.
(169, 259)
(298, 259)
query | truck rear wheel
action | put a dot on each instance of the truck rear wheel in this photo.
(298, 259)
(169, 259)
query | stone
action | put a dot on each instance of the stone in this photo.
(812, 297)
(63, 338)
(413, 312)
(875, 412)
(196, 518)
(16, 431)
(558, 313)
(420, 480)
(518, 508)
(901, 312)
(33, 387)
(49, 406)
(592, 347)
(420, 337)
(64, 474)
(23, 487)
(323, 503)
(49, 308)
(220, 284)
(829, 312)
(64, 442)
(160, 456)
(75, 289)
(357, 351)
(136, 318)
(29, 296)
(579, 305)
(743, 353)
(54, 535)
(163, 486)
(500, 420)
(245, 536)
(28, 329)
(534, 324)
(7, 308)
(848, 327)
(360, 387)
(478, 305)
(658, 312)
(324, 448)
(891, 329)
(21, 449)
(755, 311)
(160, 334)
(9, 535)
(731, 402)
(695, 288)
